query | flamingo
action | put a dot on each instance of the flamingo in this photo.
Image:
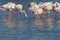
(18, 6)
(35, 9)
(9, 6)
(31, 6)
(48, 7)
(38, 11)
(43, 8)
(56, 8)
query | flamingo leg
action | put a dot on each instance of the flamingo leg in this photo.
(10, 16)
(4, 14)
(18, 16)
(43, 16)
(36, 15)
(48, 14)
(56, 15)
(59, 15)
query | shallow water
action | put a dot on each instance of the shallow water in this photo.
(28, 28)
(37, 29)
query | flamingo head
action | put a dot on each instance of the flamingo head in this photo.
(32, 3)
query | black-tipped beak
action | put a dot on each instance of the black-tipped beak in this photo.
(28, 5)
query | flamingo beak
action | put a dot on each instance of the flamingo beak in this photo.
(25, 14)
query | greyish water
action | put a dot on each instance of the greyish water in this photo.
(28, 28)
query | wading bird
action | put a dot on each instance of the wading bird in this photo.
(48, 7)
(10, 6)
(35, 9)
(56, 9)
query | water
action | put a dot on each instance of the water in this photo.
(28, 28)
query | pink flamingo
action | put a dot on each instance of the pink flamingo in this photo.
(56, 8)
(35, 8)
(48, 7)
(9, 6)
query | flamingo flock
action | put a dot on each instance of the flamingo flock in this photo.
(44, 8)
(37, 9)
